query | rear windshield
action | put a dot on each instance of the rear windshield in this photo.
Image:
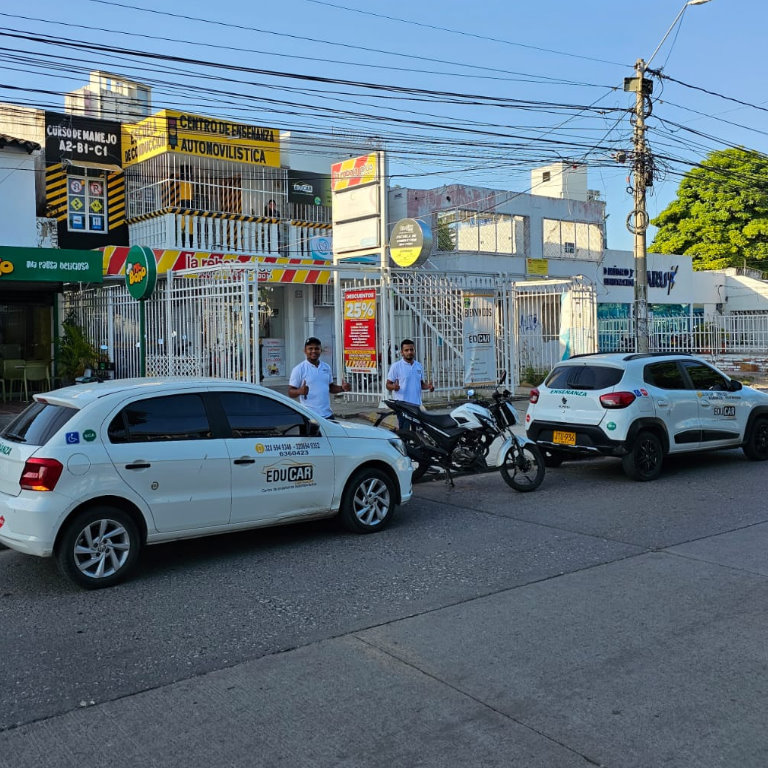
(584, 377)
(37, 423)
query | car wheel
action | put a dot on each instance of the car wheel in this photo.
(523, 467)
(368, 501)
(644, 461)
(756, 447)
(552, 459)
(99, 547)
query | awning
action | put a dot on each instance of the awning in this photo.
(111, 167)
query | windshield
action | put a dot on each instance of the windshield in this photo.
(584, 377)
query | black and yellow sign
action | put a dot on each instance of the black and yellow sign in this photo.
(185, 133)
(410, 243)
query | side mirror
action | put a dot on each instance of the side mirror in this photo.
(470, 393)
(313, 429)
(734, 386)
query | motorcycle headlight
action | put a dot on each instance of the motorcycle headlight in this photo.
(398, 445)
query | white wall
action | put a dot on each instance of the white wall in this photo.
(17, 198)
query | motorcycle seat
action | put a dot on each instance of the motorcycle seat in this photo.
(442, 420)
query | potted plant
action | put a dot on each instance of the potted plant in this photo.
(76, 353)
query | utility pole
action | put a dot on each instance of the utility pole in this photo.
(637, 221)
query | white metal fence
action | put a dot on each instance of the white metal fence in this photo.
(720, 334)
(204, 322)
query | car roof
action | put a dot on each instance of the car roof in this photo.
(620, 359)
(80, 395)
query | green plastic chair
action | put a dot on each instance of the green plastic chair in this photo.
(13, 373)
(36, 372)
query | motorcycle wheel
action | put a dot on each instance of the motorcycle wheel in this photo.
(523, 467)
(413, 445)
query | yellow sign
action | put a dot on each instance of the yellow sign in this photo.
(539, 267)
(354, 172)
(188, 134)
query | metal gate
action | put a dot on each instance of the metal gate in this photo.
(205, 322)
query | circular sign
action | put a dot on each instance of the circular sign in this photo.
(410, 243)
(140, 272)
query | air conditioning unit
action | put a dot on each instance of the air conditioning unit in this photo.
(323, 295)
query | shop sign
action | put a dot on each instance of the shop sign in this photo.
(410, 243)
(479, 339)
(140, 272)
(185, 133)
(73, 138)
(360, 354)
(49, 265)
(305, 188)
(355, 172)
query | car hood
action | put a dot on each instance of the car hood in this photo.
(353, 429)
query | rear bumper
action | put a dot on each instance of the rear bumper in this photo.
(27, 526)
(589, 439)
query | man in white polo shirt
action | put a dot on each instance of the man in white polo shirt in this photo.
(405, 379)
(312, 381)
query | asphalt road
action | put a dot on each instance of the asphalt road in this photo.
(596, 621)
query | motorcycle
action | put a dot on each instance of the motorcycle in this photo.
(460, 443)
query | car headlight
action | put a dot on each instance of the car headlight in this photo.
(398, 445)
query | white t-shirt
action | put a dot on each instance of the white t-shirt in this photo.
(410, 376)
(319, 379)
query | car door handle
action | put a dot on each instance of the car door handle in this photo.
(138, 465)
(704, 402)
(245, 460)
(662, 403)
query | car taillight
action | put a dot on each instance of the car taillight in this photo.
(40, 474)
(617, 399)
(534, 396)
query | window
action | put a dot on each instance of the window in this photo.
(38, 423)
(584, 377)
(704, 377)
(480, 232)
(664, 375)
(258, 416)
(572, 239)
(86, 204)
(159, 419)
(546, 176)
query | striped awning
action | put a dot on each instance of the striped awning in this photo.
(272, 269)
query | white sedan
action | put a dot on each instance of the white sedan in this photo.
(91, 473)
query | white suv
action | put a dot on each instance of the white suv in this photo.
(92, 473)
(641, 407)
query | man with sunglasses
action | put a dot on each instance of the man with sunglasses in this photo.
(312, 381)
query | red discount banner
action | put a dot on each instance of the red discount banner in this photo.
(360, 330)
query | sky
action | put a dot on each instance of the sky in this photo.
(457, 92)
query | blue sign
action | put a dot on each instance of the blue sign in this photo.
(73, 438)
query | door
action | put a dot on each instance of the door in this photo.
(163, 448)
(675, 403)
(279, 468)
(723, 413)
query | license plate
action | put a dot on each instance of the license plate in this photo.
(564, 438)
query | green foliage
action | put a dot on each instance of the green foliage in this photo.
(720, 216)
(75, 353)
(533, 376)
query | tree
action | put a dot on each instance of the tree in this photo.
(720, 216)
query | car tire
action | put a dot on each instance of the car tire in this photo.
(523, 467)
(99, 547)
(756, 447)
(552, 459)
(644, 460)
(368, 502)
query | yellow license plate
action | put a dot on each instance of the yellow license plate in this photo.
(564, 438)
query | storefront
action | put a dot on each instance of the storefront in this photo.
(31, 280)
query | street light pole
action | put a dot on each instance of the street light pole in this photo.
(642, 167)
